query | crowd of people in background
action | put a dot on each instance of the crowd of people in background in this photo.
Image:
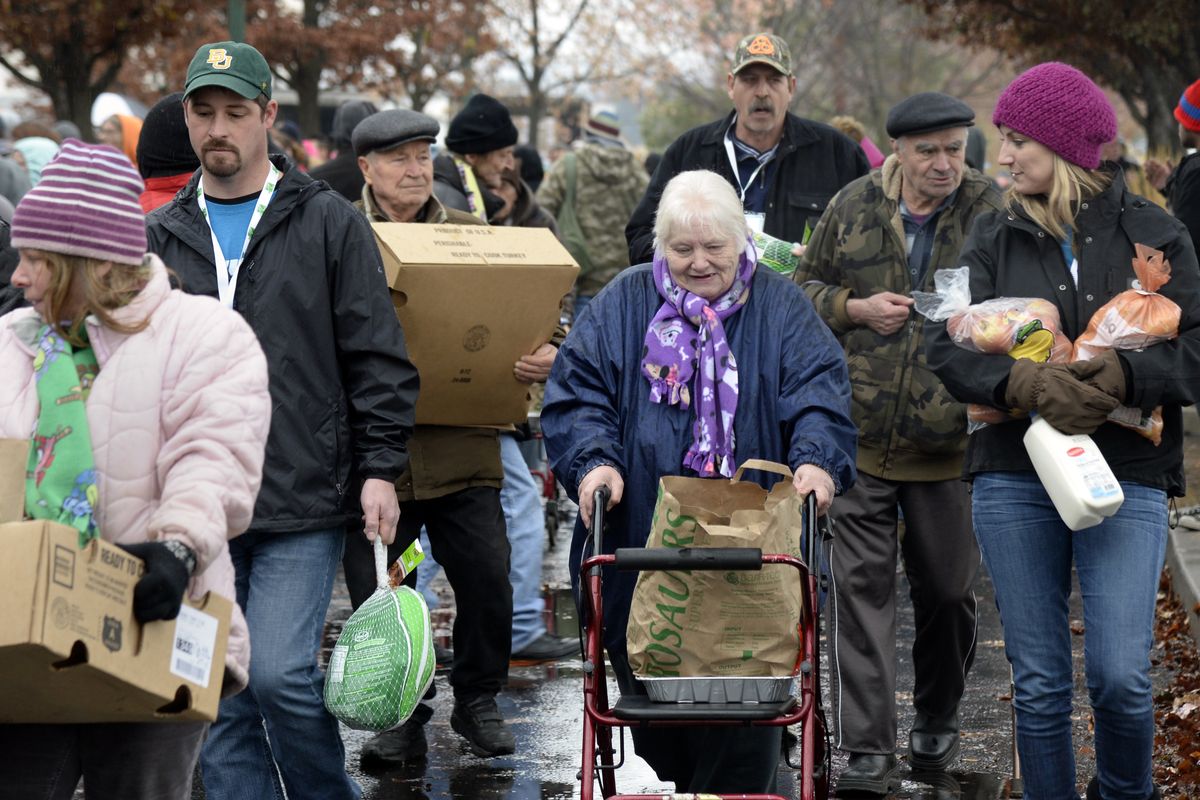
(847, 385)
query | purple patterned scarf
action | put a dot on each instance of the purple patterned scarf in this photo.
(688, 332)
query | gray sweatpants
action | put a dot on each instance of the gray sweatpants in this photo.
(941, 560)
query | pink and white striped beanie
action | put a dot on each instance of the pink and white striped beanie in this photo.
(86, 204)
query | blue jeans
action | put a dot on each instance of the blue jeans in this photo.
(284, 581)
(526, 523)
(1029, 553)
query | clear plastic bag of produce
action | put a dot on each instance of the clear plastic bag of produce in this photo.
(1021, 327)
(383, 661)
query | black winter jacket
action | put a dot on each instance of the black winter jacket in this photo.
(1011, 257)
(1183, 193)
(815, 161)
(312, 287)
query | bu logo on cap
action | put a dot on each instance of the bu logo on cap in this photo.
(761, 46)
(219, 59)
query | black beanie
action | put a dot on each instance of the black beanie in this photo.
(482, 126)
(163, 148)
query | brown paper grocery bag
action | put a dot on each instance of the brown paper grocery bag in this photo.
(720, 623)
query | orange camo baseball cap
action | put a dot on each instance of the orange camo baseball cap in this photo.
(762, 48)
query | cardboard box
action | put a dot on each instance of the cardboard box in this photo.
(70, 648)
(472, 300)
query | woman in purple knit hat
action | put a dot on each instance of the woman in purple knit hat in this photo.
(1067, 235)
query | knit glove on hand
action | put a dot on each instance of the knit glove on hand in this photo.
(1105, 372)
(159, 593)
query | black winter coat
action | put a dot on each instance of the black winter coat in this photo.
(312, 287)
(342, 174)
(1011, 257)
(814, 163)
(1183, 193)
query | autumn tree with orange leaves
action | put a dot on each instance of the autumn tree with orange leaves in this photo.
(73, 50)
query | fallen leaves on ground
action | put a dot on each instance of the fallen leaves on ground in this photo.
(1176, 711)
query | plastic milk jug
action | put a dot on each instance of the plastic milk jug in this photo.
(1076, 476)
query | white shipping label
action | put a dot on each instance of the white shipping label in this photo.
(195, 643)
(337, 663)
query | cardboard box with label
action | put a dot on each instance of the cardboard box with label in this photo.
(472, 300)
(70, 648)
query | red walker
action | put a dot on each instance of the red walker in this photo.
(599, 718)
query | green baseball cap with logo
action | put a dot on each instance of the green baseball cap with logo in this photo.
(762, 48)
(232, 65)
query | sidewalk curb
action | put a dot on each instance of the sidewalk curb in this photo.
(1183, 557)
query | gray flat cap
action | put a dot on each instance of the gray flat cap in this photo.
(384, 130)
(926, 112)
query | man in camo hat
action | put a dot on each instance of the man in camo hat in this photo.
(785, 168)
(885, 235)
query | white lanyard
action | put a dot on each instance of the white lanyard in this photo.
(227, 277)
(737, 175)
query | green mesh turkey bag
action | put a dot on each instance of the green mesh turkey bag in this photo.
(383, 661)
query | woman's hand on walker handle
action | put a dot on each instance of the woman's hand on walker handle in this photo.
(810, 478)
(599, 476)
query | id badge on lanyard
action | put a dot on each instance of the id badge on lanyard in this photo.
(228, 268)
(755, 219)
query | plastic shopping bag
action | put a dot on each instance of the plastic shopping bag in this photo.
(1135, 318)
(383, 661)
(1022, 327)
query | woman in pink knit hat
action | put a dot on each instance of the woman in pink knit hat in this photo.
(1067, 235)
(148, 412)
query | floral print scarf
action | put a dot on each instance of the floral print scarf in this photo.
(686, 339)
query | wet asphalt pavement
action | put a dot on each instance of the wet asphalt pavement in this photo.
(543, 704)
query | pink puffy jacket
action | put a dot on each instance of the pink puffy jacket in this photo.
(179, 415)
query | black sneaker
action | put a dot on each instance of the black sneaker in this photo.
(546, 648)
(398, 746)
(478, 720)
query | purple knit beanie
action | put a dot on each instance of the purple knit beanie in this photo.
(1058, 106)
(85, 205)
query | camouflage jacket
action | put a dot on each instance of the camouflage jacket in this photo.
(609, 182)
(909, 427)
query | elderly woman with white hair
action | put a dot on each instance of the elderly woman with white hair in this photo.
(689, 366)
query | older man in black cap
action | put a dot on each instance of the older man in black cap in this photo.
(884, 236)
(451, 485)
(480, 142)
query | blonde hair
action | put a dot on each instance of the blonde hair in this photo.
(849, 126)
(103, 292)
(1070, 186)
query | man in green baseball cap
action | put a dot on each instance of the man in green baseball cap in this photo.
(302, 266)
(232, 65)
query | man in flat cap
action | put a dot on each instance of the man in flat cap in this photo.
(784, 168)
(882, 237)
(452, 485)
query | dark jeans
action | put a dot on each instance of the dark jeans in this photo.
(466, 532)
(117, 761)
(727, 760)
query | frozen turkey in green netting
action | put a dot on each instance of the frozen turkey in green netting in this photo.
(383, 661)
(775, 253)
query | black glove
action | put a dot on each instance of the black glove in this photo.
(1072, 406)
(1105, 372)
(159, 593)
